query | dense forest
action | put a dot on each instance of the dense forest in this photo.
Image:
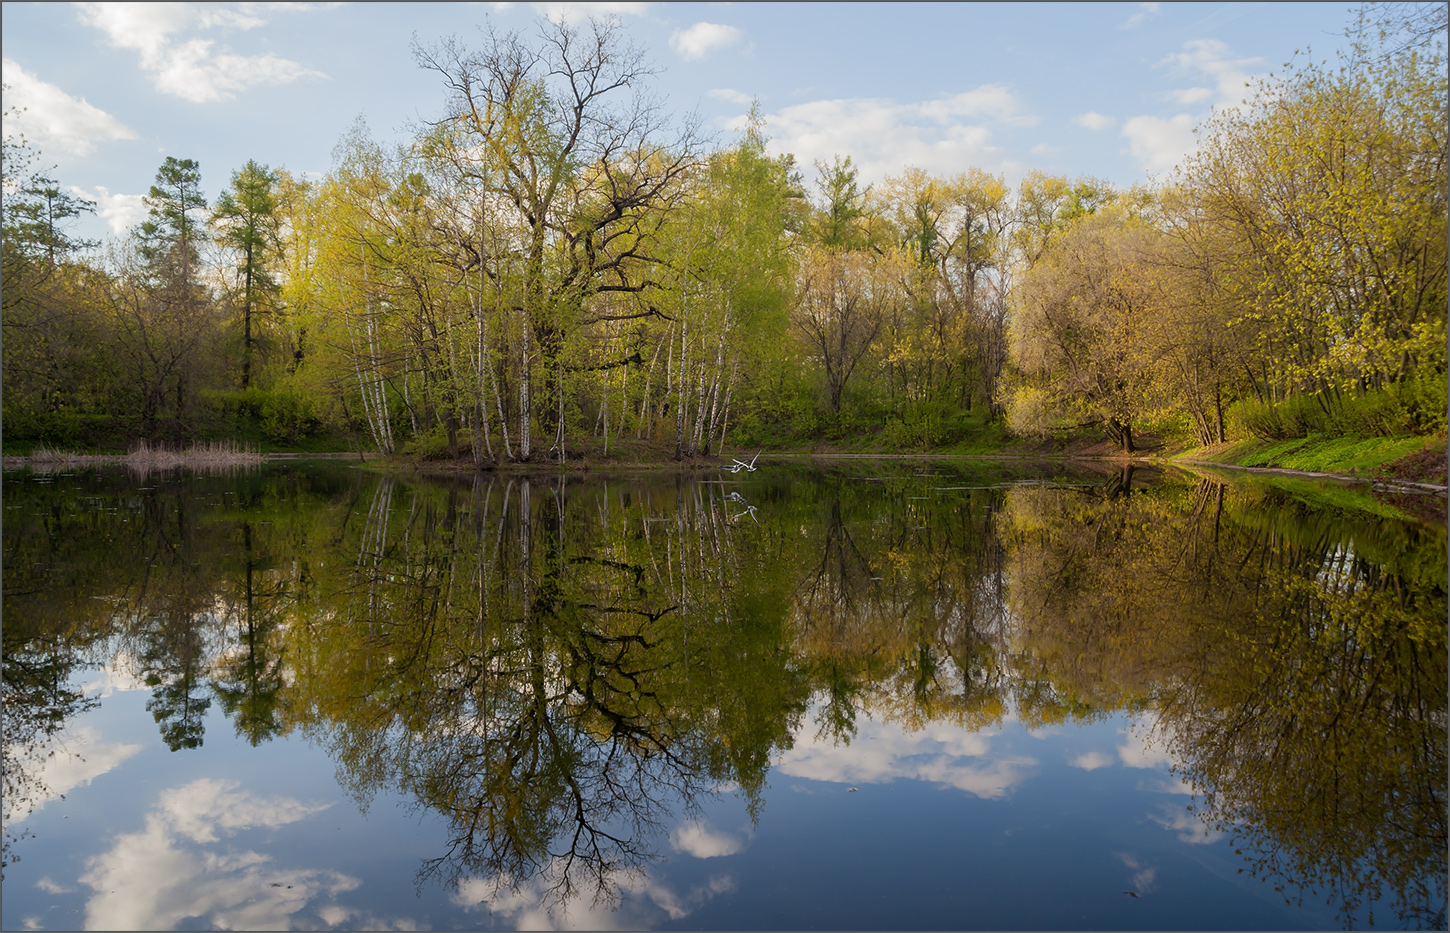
(554, 262)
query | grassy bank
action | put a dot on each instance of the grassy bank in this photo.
(1407, 459)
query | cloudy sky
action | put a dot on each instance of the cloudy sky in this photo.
(1107, 89)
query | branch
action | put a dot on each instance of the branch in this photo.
(652, 312)
(633, 359)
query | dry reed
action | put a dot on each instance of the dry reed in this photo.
(144, 458)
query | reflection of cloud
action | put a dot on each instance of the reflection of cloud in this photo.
(80, 757)
(1143, 875)
(51, 887)
(152, 880)
(1189, 825)
(124, 672)
(1140, 751)
(643, 899)
(885, 752)
(1091, 761)
(701, 842)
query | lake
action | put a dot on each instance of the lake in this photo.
(874, 695)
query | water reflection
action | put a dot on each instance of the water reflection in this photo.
(568, 671)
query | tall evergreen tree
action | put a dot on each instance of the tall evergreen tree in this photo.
(248, 221)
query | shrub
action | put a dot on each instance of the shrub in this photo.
(1416, 406)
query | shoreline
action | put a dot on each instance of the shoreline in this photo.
(586, 465)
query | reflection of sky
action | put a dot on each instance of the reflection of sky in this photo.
(122, 672)
(631, 901)
(183, 867)
(79, 757)
(1000, 827)
(987, 764)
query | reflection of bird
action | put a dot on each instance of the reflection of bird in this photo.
(737, 497)
(742, 465)
(1131, 893)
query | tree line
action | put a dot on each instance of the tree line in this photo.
(554, 261)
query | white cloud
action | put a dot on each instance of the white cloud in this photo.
(1159, 144)
(564, 12)
(189, 68)
(1094, 120)
(729, 96)
(1145, 10)
(1190, 95)
(51, 887)
(52, 119)
(153, 880)
(1211, 57)
(698, 840)
(121, 212)
(884, 752)
(882, 136)
(1091, 761)
(992, 101)
(703, 38)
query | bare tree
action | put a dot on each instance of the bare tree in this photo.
(577, 165)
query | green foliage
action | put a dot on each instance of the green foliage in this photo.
(283, 415)
(428, 445)
(1415, 406)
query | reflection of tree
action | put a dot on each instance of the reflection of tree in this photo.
(174, 658)
(249, 679)
(560, 671)
(903, 612)
(557, 674)
(1297, 662)
(36, 700)
(171, 613)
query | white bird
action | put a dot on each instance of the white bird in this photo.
(742, 465)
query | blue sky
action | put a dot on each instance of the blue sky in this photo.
(1106, 89)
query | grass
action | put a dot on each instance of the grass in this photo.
(1353, 456)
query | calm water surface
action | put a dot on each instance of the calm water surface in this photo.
(877, 697)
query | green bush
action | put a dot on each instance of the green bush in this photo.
(281, 415)
(428, 445)
(1416, 406)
